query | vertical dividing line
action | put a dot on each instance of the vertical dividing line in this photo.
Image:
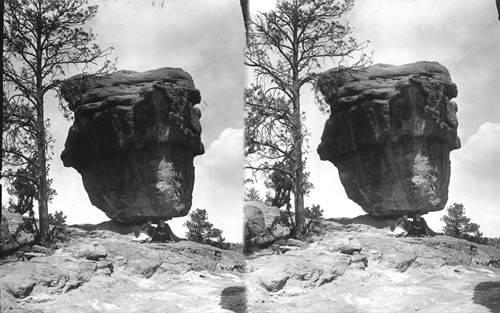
(2, 10)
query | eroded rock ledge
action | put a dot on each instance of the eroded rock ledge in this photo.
(390, 133)
(133, 141)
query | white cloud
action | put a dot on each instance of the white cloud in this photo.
(328, 191)
(203, 37)
(461, 36)
(219, 185)
(72, 198)
(482, 149)
(223, 159)
(261, 5)
(475, 178)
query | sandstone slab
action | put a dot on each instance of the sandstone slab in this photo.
(436, 274)
(390, 133)
(133, 140)
(156, 277)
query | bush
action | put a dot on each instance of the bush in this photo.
(58, 219)
(252, 195)
(314, 212)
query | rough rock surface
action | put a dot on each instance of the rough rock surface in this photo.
(133, 141)
(390, 133)
(103, 271)
(357, 268)
(262, 225)
(12, 237)
(7, 240)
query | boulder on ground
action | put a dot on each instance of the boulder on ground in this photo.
(263, 225)
(12, 234)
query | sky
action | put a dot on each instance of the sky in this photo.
(206, 39)
(464, 36)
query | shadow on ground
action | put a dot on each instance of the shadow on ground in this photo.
(234, 299)
(488, 294)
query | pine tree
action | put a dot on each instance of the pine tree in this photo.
(200, 229)
(285, 49)
(457, 224)
(42, 40)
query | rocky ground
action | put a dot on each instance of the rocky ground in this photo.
(103, 271)
(358, 268)
(342, 268)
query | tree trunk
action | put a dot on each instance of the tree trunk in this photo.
(299, 192)
(43, 210)
(300, 222)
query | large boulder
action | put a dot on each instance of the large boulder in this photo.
(257, 233)
(13, 235)
(263, 225)
(390, 133)
(8, 243)
(133, 140)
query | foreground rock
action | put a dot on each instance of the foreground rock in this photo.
(359, 268)
(8, 242)
(12, 234)
(102, 271)
(390, 133)
(133, 141)
(263, 225)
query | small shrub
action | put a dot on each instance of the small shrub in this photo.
(57, 219)
(313, 213)
(252, 195)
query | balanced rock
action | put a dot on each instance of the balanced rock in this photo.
(390, 133)
(133, 141)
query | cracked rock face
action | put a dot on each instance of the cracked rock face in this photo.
(390, 133)
(133, 141)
